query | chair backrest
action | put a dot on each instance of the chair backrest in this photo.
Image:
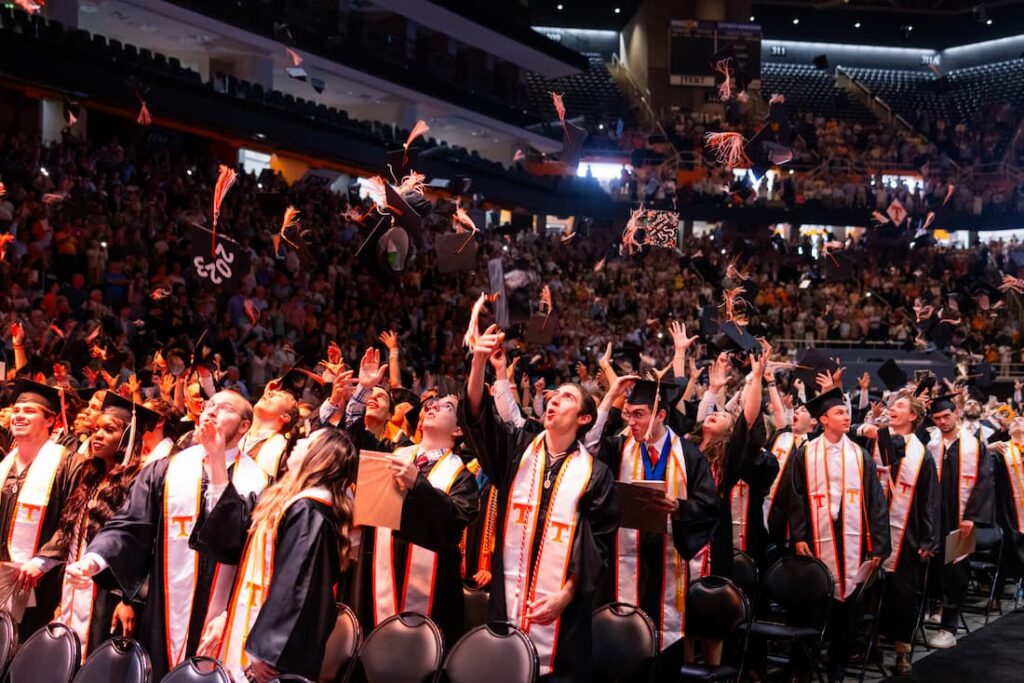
(624, 638)
(197, 670)
(987, 538)
(342, 644)
(119, 660)
(51, 655)
(744, 573)
(476, 606)
(404, 648)
(715, 608)
(290, 678)
(802, 586)
(8, 640)
(496, 652)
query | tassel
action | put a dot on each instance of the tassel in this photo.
(143, 119)
(600, 265)
(29, 5)
(518, 156)
(295, 56)
(412, 184)
(250, 311)
(419, 129)
(880, 217)
(473, 330)
(276, 241)
(556, 98)
(733, 302)
(928, 220)
(290, 218)
(53, 198)
(630, 244)
(375, 188)
(3, 189)
(5, 239)
(72, 119)
(462, 222)
(724, 90)
(777, 99)
(225, 179)
(728, 148)
(545, 300)
(949, 193)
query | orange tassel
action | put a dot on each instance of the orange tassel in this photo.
(375, 187)
(72, 119)
(724, 90)
(630, 244)
(880, 217)
(559, 105)
(949, 193)
(5, 239)
(276, 241)
(419, 129)
(733, 302)
(3, 190)
(30, 6)
(728, 148)
(143, 119)
(291, 218)
(473, 329)
(53, 198)
(412, 184)
(225, 179)
(296, 57)
(519, 156)
(462, 221)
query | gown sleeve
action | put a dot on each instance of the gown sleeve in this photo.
(693, 524)
(495, 443)
(221, 533)
(979, 504)
(799, 525)
(929, 495)
(296, 618)
(126, 541)
(595, 539)
(433, 519)
(876, 509)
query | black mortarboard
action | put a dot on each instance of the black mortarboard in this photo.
(643, 393)
(405, 215)
(770, 145)
(981, 290)
(838, 267)
(819, 405)
(733, 337)
(27, 391)
(983, 375)
(941, 403)
(146, 420)
(709, 321)
(813, 361)
(298, 380)
(572, 144)
(820, 62)
(401, 160)
(540, 329)
(456, 252)
(271, 203)
(925, 383)
(892, 375)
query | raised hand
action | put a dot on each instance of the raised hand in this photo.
(488, 343)
(371, 372)
(718, 376)
(17, 334)
(390, 339)
(679, 339)
(343, 388)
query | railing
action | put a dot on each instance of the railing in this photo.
(643, 96)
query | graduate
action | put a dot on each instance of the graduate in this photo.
(651, 570)
(273, 416)
(152, 537)
(106, 475)
(550, 490)
(913, 522)
(418, 567)
(282, 607)
(159, 442)
(1009, 503)
(965, 475)
(37, 475)
(790, 437)
(838, 514)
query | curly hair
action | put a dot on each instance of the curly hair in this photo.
(331, 462)
(110, 489)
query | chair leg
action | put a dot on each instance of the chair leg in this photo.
(963, 622)
(992, 596)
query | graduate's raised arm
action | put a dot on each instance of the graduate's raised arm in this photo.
(484, 347)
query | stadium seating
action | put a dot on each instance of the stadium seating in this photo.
(812, 91)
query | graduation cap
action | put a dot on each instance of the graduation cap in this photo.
(271, 203)
(27, 391)
(892, 375)
(813, 361)
(400, 159)
(146, 420)
(297, 72)
(734, 337)
(456, 252)
(572, 143)
(297, 380)
(838, 267)
(942, 403)
(819, 405)
(645, 390)
(540, 329)
(770, 145)
(709, 321)
(405, 215)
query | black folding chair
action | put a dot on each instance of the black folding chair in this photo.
(496, 652)
(798, 592)
(197, 670)
(624, 641)
(404, 648)
(987, 559)
(716, 609)
(8, 640)
(50, 655)
(745, 574)
(476, 606)
(118, 659)
(342, 645)
(291, 678)
(870, 594)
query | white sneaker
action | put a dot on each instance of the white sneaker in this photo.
(934, 618)
(942, 640)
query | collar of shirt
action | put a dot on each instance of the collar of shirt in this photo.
(660, 443)
(434, 455)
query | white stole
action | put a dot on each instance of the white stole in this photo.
(76, 604)
(782, 449)
(851, 514)
(182, 506)
(547, 576)
(901, 497)
(420, 565)
(671, 621)
(968, 452)
(1014, 466)
(252, 587)
(739, 501)
(937, 447)
(266, 451)
(160, 451)
(26, 528)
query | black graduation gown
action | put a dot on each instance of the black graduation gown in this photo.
(474, 533)
(294, 622)
(47, 591)
(758, 473)
(979, 504)
(692, 524)
(875, 539)
(433, 520)
(778, 516)
(1006, 516)
(499, 448)
(131, 544)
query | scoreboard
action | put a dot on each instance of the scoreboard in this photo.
(692, 44)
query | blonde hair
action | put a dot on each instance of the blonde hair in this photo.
(331, 463)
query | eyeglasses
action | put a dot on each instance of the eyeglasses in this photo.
(635, 415)
(210, 407)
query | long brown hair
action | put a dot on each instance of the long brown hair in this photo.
(331, 462)
(109, 486)
(714, 449)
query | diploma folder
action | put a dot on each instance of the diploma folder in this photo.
(378, 500)
(635, 501)
(958, 547)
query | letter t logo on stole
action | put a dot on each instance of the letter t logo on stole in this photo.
(559, 528)
(29, 509)
(905, 486)
(521, 510)
(181, 521)
(819, 499)
(852, 495)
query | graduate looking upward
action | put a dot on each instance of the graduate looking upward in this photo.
(551, 485)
